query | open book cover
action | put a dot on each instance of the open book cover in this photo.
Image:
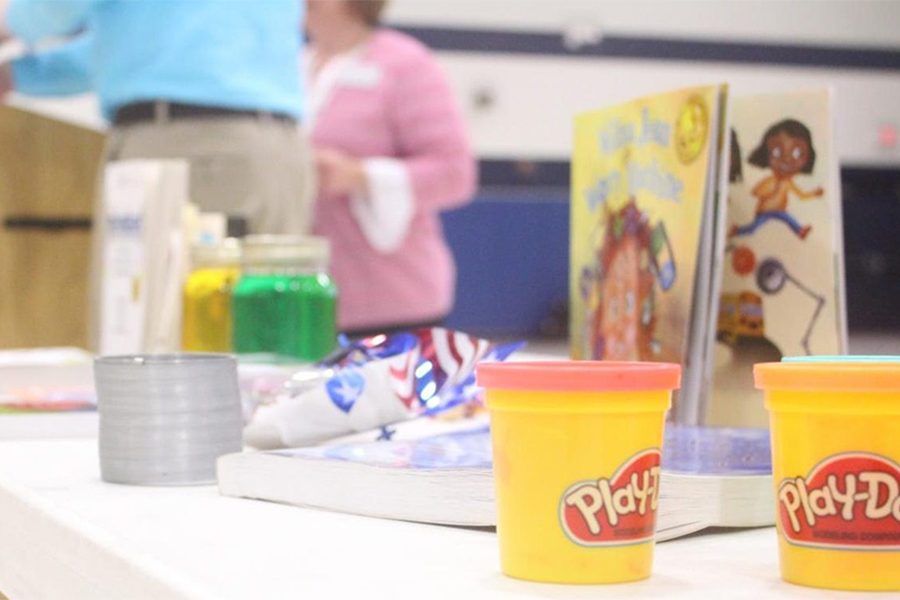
(644, 188)
(782, 281)
(447, 479)
(51, 380)
(47, 393)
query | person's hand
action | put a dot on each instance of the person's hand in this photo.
(339, 173)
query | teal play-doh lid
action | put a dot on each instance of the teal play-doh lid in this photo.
(842, 358)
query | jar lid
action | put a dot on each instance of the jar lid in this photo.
(270, 249)
(579, 375)
(829, 374)
(225, 253)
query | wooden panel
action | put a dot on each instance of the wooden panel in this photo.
(47, 303)
(47, 171)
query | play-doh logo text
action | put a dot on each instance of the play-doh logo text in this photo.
(849, 501)
(617, 510)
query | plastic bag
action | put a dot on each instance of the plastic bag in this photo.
(374, 382)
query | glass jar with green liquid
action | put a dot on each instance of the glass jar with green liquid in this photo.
(206, 317)
(285, 303)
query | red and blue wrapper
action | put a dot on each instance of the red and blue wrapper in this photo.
(374, 382)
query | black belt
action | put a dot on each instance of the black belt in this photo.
(143, 112)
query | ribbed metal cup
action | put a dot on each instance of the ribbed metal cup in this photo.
(166, 418)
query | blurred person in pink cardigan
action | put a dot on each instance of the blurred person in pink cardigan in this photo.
(391, 152)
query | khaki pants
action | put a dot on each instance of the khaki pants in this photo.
(245, 166)
(256, 168)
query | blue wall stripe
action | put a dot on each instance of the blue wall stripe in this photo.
(613, 46)
(551, 177)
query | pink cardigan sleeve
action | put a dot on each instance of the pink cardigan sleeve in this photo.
(431, 135)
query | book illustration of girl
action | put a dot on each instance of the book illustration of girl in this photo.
(624, 317)
(786, 149)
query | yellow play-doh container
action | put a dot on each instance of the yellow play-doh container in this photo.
(576, 449)
(835, 428)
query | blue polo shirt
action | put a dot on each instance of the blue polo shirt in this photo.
(241, 54)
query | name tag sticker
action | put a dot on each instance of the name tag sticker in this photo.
(360, 76)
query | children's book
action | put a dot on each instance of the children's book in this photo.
(447, 479)
(645, 177)
(706, 232)
(782, 282)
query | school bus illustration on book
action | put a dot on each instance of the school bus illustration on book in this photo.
(740, 315)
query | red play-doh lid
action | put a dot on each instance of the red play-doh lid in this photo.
(579, 375)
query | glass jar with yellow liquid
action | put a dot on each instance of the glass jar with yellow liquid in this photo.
(207, 317)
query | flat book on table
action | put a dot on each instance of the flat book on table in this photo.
(710, 478)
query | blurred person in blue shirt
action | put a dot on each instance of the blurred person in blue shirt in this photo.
(58, 71)
(213, 82)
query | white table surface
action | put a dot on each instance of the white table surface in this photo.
(66, 534)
